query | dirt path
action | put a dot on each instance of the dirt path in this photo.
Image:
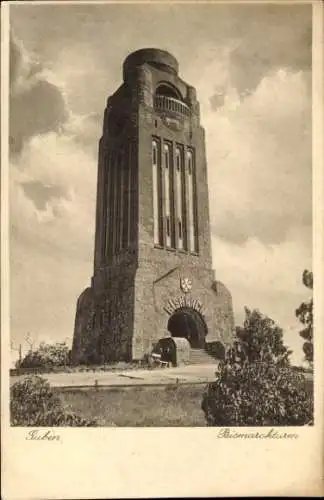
(163, 376)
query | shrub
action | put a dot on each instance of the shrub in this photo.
(255, 384)
(47, 356)
(258, 394)
(33, 403)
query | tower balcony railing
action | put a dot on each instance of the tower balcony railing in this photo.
(164, 103)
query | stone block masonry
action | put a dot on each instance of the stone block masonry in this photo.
(153, 273)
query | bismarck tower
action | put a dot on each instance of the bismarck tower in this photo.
(153, 273)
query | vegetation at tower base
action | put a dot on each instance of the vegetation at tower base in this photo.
(33, 403)
(255, 384)
(47, 356)
(305, 315)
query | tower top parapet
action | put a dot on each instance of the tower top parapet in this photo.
(161, 59)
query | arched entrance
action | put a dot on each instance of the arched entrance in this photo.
(188, 323)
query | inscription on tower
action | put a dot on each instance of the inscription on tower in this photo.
(183, 301)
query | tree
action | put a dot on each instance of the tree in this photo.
(261, 339)
(305, 315)
(255, 385)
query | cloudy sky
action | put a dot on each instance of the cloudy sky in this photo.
(251, 65)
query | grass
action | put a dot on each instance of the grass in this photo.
(141, 406)
(150, 406)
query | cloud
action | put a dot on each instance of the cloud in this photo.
(37, 105)
(15, 60)
(52, 213)
(280, 37)
(43, 132)
(40, 193)
(61, 177)
(258, 38)
(85, 129)
(265, 39)
(259, 158)
(52, 181)
(268, 278)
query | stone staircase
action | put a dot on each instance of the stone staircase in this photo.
(201, 357)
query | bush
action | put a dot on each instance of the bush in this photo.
(255, 385)
(47, 356)
(258, 394)
(33, 403)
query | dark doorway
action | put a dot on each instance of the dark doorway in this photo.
(188, 323)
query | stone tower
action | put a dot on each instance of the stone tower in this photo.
(153, 272)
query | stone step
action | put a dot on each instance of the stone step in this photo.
(200, 356)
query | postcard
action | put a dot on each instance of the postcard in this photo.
(162, 249)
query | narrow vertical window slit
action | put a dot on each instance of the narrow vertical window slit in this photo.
(178, 194)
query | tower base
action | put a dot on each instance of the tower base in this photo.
(124, 322)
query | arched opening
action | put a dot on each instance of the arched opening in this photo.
(167, 90)
(188, 323)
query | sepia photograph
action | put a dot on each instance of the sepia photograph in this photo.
(160, 216)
